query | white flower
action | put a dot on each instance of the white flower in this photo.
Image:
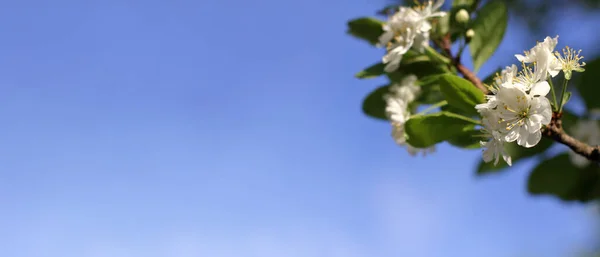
(588, 132)
(406, 90)
(523, 114)
(407, 28)
(494, 147)
(397, 111)
(542, 55)
(429, 10)
(570, 61)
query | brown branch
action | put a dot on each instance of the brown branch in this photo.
(553, 131)
(445, 44)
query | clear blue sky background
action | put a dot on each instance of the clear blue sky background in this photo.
(233, 128)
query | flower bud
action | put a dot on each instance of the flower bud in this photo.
(462, 16)
(469, 34)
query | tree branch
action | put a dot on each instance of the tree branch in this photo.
(445, 44)
(553, 131)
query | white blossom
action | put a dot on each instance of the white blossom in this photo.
(397, 111)
(523, 114)
(588, 132)
(542, 55)
(408, 28)
(518, 108)
(494, 147)
(570, 61)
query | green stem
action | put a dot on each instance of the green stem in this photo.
(433, 54)
(562, 96)
(553, 93)
(432, 107)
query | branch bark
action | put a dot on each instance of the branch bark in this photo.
(445, 44)
(555, 131)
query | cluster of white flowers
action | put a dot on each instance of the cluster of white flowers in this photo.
(518, 108)
(409, 27)
(397, 110)
(588, 132)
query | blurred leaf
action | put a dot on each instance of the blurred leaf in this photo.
(374, 104)
(468, 139)
(372, 71)
(568, 120)
(366, 28)
(419, 68)
(489, 26)
(566, 98)
(588, 84)
(427, 130)
(469, 5)
(559, 177)
(460, 93)
(517, 153)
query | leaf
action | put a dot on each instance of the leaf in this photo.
(469, 5)
(588, 84)
(469, 139)
(559, 177)
(419, 69)
(372, 71)
(366, 28)
(489, 26)
(374, 104)
(569, 119)
(517, 153)
(427, 130)
(460, 93)
(566, 98)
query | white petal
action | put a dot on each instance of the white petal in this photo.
(533, 139)
(521, 58)
(507, 159)
(523, 136)
(540, 88)
(533, 123)
(511, 136)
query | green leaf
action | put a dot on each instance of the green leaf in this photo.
(517, 153)
(469, 139)
(419, 69)
(427, 130)
(374, 104)
(469, 5)
(569, 119)
(588, 84)
(489, 26)
(372, 71)
(366, 28)
(566, 98)
(557, 176)
(460, 93)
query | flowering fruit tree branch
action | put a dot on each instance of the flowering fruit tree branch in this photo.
(554, 130)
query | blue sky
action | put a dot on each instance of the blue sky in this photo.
(233, 128)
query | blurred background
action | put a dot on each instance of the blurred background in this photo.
(234, 128)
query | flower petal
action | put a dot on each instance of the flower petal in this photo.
(540, 89)
(533, 139)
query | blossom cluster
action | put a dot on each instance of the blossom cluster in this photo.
(407, 28)
(518, 108)
(397, 110)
